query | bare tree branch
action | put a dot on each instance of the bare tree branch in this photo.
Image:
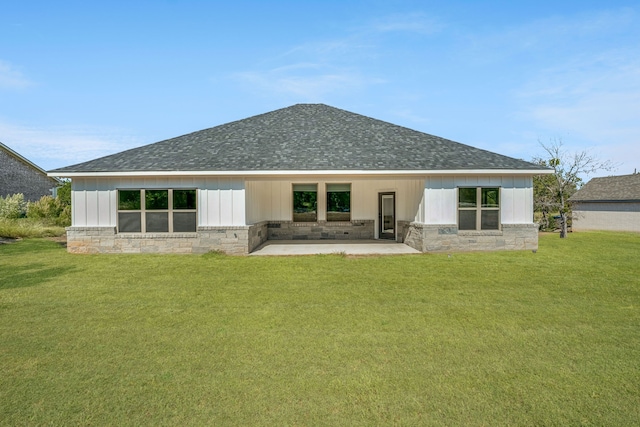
(551, 192)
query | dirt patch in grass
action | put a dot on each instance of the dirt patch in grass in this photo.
(61, 240)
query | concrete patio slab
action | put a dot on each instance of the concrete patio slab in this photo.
(313, 247)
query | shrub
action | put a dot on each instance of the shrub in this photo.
(28, 228)
(64, 219)
(46, 207)
(13, 206)
(50, 209)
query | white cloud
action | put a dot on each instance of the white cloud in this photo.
(11, 78)
(313, 70)
(305, 81)
(409, 22)
(550, 39)
(55, 147)
(327, 49)
(586, 90)
(592, 100)
(411, 116)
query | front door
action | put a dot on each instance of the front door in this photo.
(387, 215)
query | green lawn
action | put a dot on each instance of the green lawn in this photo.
(508, 338)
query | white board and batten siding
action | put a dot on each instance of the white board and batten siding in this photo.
(235, 202)
(221, 201)
(440, 204)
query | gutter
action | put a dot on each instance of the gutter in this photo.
(285, 173)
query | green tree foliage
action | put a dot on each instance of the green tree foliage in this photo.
(305, 201)
(552, 192)
(339, 201)
(547, 199)
(64, 193)
(156, 199)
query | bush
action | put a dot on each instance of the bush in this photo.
(50, 209)
(46, 207)
(13, 206)
(45, 217)
(29, 228)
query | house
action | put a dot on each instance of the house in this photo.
(19, 175)
(608, 203)
(309, 171)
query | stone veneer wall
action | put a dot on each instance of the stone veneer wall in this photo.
(241, 240)
(403, 231)
(231, 240)
(442, 238)
(234, 240)
(321, 230)
(258, 234)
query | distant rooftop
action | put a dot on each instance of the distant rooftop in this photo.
(610, 188)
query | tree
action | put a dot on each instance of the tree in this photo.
(545, 197)
(64, 193)
(552, 192)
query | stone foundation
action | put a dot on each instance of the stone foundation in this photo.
(238, 240)
(258, 234)
(231, 240)
(444, 238)
(403, 231)
(241, 240)
(321, 230)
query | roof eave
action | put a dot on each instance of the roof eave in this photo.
(604, 200)
(440, 172)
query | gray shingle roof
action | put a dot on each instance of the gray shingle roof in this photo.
(609, 189)
(303, 137)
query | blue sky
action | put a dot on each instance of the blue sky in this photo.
(79, 80)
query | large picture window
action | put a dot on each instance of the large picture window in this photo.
(305, 202)
(478, 208)
(338, 202)
(157, 211)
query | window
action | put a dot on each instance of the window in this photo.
(129, 211)
(156, 211)
(184, 211)
(338, 202)
(305, 202)
(478, 208)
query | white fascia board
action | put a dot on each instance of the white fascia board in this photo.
(475, 172)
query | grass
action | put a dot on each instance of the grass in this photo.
(505, 338)
(29, 228)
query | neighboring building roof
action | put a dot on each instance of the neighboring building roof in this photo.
(303, 137)
(609, 189)
(19, 175)
(26, 161)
